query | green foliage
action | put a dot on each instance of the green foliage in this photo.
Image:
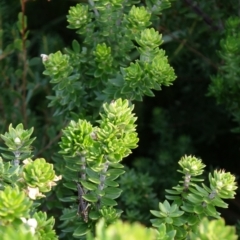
(104, 62)
(121, 231)
(137, 195)
(20, 185)
(44, 229)
(93, 155)
(18, 141)
(39, 174)
(214, 230)
(191, 202)
(21, 233)
(161, 151)
(14, 205)
(115, 61)
(225, 85)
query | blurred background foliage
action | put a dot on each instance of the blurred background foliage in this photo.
(181, 119)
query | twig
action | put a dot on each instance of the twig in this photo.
(82, 203)
(204, 16)
(185, 43)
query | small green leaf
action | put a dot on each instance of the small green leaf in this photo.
(81, 230)
(116, 165)
(211, 210)
(195, 199)
(115, 172)
(91, 173)
(88, 185)
(156, 222)
(172, 197)
(6, 156)
(68, 199)
(108, 201)
(76, 46)
(198, 209)
(164, 207)
(192, 219)
(171, 191)
(69, 215)
(90, 197)
(156, 213)
(112, 193)
(188, 207)
(168, 220)
(70, 185)
(94, 215)
(111, 183)
(94, 180)
(68, 229)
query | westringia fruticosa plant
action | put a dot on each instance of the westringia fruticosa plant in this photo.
(118, 58)
(192, 201)
(92, 156)
(23, 180)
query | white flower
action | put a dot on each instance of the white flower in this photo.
(17, 140)
(31, 222)
(44, 57)
(27, 160)
(33, 193)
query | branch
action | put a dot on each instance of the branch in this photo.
(204, 16)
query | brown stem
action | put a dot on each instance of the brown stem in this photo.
(204, 16)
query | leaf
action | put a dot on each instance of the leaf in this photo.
(91, 173)
(172, 191)
(70, 185)
(156, 213)
(76, 46)
(108, 201)
(176, 214)
(111, 183)
(188, 208)
(68, 229)
(148, 92)
(6, 156)
(156, 222)
(98, 73)
(195, 199)
(192, 219)
(61, 85)
(88, 185)
(112, 193)
(116, 165)
(69, 215)
(169, 197)
(94, 180)
(219, 202)
(81, 230)
(211, 210)
(115, 172)
(94, 215)
(68, 199)
(74, 77)
(90, 197)
(198, 209)
(201, 191)
(165, 207)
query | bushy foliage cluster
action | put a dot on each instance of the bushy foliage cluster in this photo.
(90, 127)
